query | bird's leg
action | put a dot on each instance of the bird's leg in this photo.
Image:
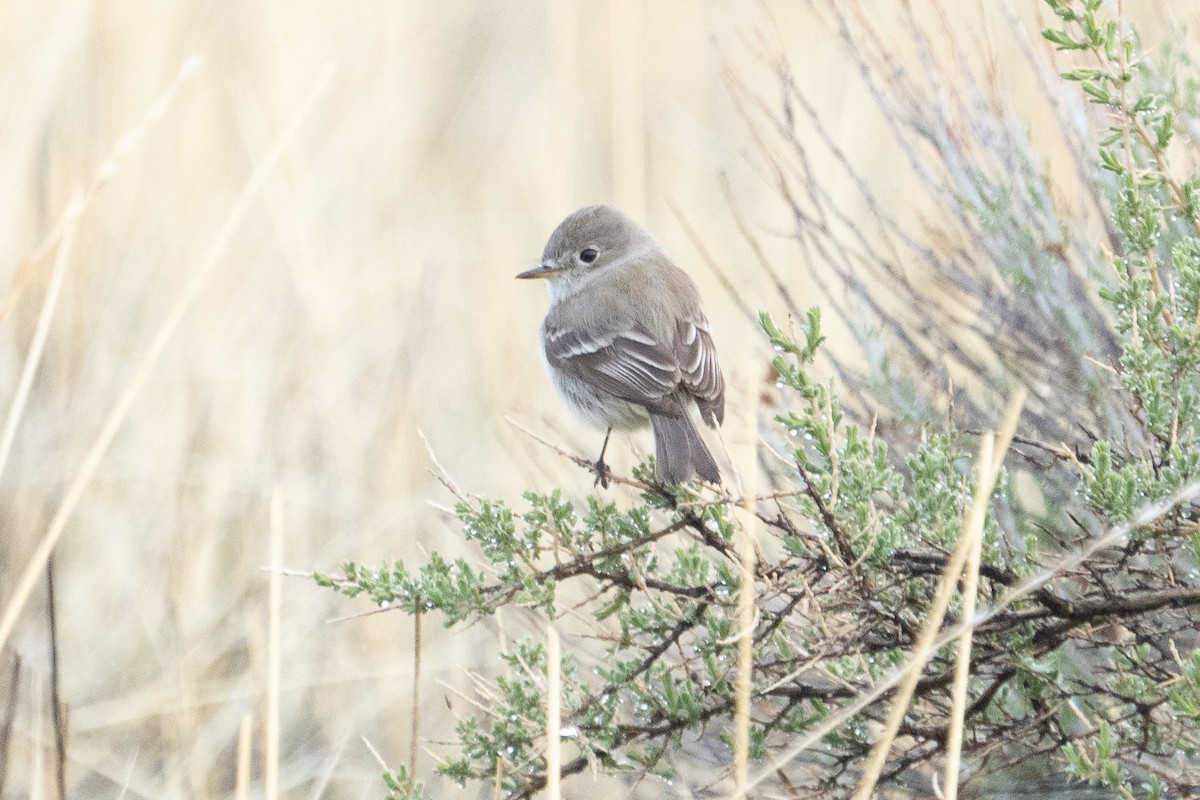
(600, 467)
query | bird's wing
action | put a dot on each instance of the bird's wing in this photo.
(628, 364)
(700, 373)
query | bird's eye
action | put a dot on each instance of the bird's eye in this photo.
(588, 256)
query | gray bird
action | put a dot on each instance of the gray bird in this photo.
(626, 341)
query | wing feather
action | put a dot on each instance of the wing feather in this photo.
(630, 365)
(700, 374)
(635, 367)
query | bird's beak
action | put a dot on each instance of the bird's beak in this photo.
(541, 271)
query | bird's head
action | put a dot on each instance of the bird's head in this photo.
(589, 241)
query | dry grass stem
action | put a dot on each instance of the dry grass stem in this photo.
(745, 670)
(125, 781)
(746, 480)
(962, 664)
(924, 649)
(57, 716)
(375, 754)
(628, 111)
(271, 720)
(116, 416)
(926, 646)
(108, 168)
(1148, 514)
(553, 714)
(10, 716)
(41, 331)
(37, 767)
(244, 752)
(415, 727)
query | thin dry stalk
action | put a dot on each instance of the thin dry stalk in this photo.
(581, 462)
(561, 111)
(741, 714)
(990, 459)
(628, 112)
(415, 728)
(748, 557)
(1146, 515)
(553, 714)
(37, 788)
(242, 791)
(962, 666)
(10, 715)
(954, 566)
(937, 612)
(37, 345)
(747, 485)
(56, 710)
(108, 168)
(274, 653)
(128, 778)
(116, 416)
(375, 754)
(502, 637)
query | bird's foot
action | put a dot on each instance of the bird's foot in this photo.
(602, 472)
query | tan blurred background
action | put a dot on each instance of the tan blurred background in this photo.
(367, 297)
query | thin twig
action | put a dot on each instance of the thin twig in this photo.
(580, 462)
(56, 715)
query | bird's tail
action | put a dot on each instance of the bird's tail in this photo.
(679, 452)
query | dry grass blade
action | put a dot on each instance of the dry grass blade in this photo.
(748, 554)
(741, 714)
(242, 791)
(10, 714)
(128, 778)
(41, 331)
(112, 423)
(628, 111)
(1147, 515)
(375, 754)
(415, 727)
(37, 788)
(274, 654)
(989, 461)
(924, 649)
(748, 559)
(962, 666)
(553, 714)
(58, 722)
(108, 168)
(928, 643)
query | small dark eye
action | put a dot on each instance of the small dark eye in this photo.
(588, 256)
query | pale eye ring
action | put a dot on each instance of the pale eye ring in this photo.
(588, 255)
